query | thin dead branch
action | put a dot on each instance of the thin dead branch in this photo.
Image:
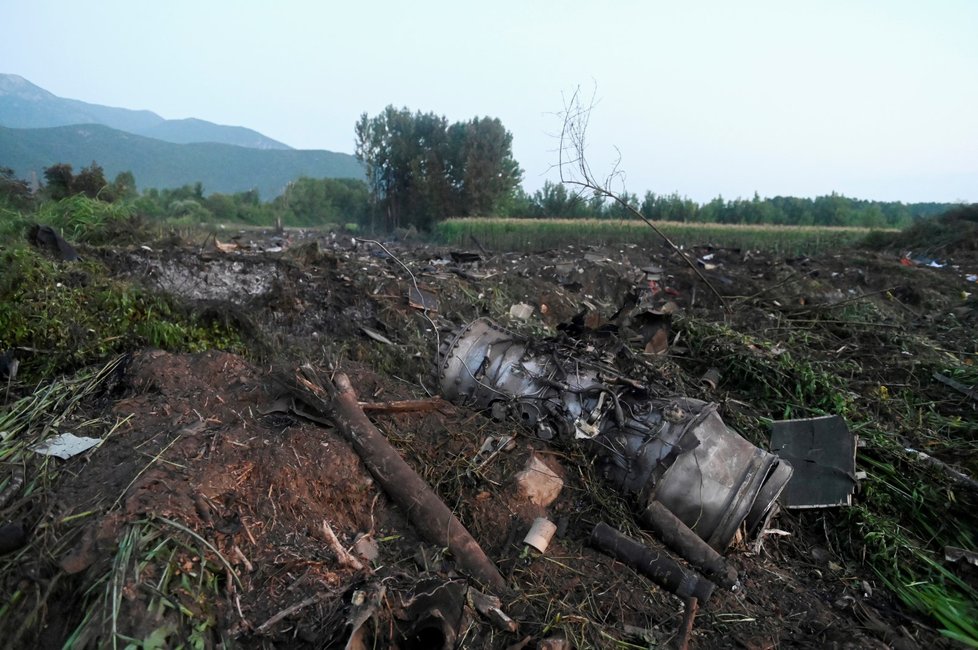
(288, 611)
(957, 385)
(575, 170)
(344, 557)
(405, 406)
(692, 604)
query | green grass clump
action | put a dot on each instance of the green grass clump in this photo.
(186, 579)
(62, 316)
(81, 219)
(771, 373)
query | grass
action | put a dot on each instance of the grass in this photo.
(23, 424)
(907, 511)
(185, 576)
(537, 234)
(63, 316)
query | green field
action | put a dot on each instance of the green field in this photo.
(539, 234)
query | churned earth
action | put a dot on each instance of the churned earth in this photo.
(214, 515)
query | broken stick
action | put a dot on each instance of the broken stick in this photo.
(691, 606)
(405, 406)
(342, 555)
(429, 514)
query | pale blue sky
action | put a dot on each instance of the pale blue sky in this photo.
(872, 99)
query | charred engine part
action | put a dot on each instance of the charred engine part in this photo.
(658, 566)
(676, 451)
(680, 538)
(436, 612)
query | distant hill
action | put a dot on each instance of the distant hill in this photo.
(26, 106)
(220, 167)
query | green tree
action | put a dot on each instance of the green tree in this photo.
(59, 181)
(14, 192)
(421, 169)
(124, 186)
(553, 200)
(485, 172)
(617, 210)
(91, 182)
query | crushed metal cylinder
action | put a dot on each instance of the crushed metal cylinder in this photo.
(675, 451)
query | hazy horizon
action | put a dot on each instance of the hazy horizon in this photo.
(872, 100)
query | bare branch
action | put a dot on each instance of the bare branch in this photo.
(575, 171)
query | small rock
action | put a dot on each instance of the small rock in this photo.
(12, 537)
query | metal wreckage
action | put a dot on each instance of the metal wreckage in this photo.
(694, 480)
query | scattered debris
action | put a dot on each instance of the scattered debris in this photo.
(677, 451)
(682, 540)
(711, 378)
(344, 557)
(375, 335)
(954, 554)
(491, 608)
(65, 445)
(970, 391)
(435, 614)
(246, 487)
(540, 534)
(490, 448)
(657, 565)
(48, 239)
(366, 547)
(229, 247)
(822, 452)
(955, 474)
(422, 299)
(538, 483)
(521, 311)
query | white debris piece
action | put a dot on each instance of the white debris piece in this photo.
(65, 445)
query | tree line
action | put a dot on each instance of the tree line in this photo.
(555, 200)
(421, 169)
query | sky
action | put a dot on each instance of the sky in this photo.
(870, 99)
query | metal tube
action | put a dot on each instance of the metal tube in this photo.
(656, 564)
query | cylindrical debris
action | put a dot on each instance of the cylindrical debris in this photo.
(678, 537)
(711, 378)
(677, 450)
(541, 532)
(655, 564)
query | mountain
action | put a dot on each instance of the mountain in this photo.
(221, 168)
(26, 106)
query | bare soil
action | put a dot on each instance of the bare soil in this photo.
(204, 449)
